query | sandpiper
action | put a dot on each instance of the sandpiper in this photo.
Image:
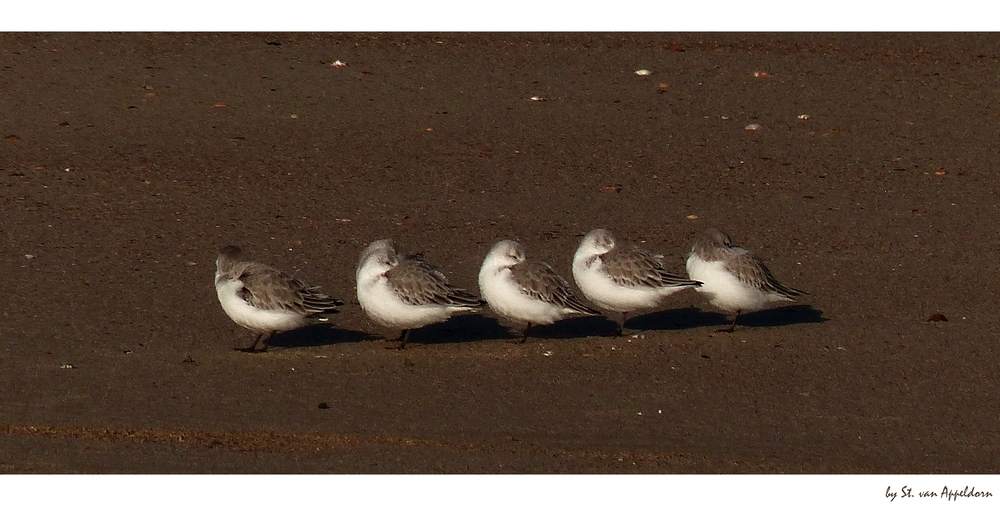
(622, 277)
(733, 278)
(266, 300)
(407, 292)
(526, 290)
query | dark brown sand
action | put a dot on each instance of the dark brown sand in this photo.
(127, 160)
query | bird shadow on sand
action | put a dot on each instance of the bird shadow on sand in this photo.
(693, 317)
(571, 328)
(676, 319)
(782, 315)
(467, 328)
(459, 329)
(317, 335)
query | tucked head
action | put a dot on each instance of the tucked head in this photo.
(598, 241)
(231, 252)
(713, 244)
(381, 254)
(718, 237)
(228, 255)
(507, 252)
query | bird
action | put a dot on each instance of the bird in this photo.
(621, 277)
(526, 290)
(405, 291)
(266, 300)
(734, 278)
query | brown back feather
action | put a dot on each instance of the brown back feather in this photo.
(539, 280)
(630, 266)
(751, 270)
(417, 282)
(265, 287)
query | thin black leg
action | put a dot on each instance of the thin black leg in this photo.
(403, 338)
(524, 335)
(621, 326)
(267, 342)
(252, 347)
(732, 328)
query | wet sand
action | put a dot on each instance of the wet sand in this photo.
(127, 160)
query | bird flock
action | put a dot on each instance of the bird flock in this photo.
(405, 292)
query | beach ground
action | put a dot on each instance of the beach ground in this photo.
(868, 181)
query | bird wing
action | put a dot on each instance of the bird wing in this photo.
(417, 282)
(540, 281)
(268, 288)
(750, 270)
(631, 266)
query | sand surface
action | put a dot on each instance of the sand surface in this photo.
(126, 161)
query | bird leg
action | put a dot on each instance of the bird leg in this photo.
(524, 335)
(253, 347)
(621, 326)
(266, 341)
(403, 338)
(732, 328)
